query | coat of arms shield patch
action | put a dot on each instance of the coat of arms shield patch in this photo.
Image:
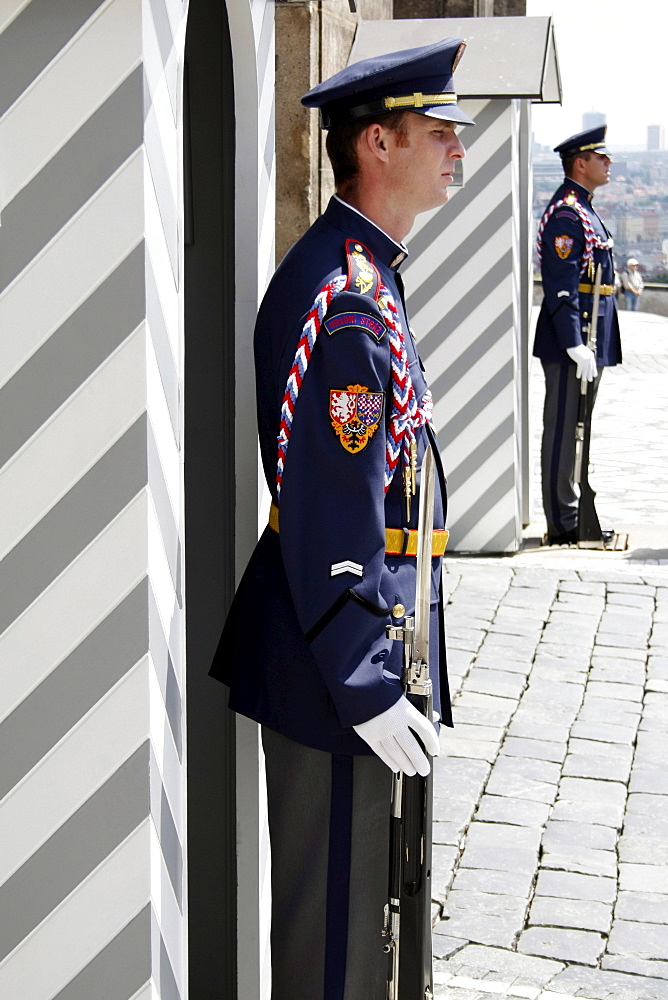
(355, 414)
(563, 245)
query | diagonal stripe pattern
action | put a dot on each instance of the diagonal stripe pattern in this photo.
(91, 612)
(465, 306)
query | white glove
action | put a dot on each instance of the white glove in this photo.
(391, 736)
(585, 361)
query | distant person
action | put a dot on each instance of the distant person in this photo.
(572, 241)
(632, 284)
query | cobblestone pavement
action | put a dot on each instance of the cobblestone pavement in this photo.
(551, 794)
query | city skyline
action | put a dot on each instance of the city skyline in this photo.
(602, 70)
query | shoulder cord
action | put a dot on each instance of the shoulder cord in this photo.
(407, 415)
(592, 241)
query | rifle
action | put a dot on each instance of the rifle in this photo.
(589, 528)
(407, 925)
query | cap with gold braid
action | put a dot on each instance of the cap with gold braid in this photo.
(419, 80)
(593, 140)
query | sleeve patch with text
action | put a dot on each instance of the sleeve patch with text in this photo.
(361, 321)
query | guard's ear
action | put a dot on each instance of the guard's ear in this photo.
(375, 140)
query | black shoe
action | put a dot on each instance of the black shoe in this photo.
(565, 538)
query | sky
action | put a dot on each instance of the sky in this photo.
(613, 57)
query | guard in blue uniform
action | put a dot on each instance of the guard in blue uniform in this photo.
(572, 241)
(344, 417)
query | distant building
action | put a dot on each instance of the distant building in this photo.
(591, 119)
(618, 168)
(655, 138)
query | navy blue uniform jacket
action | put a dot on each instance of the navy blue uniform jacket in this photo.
(298, 657)
(561, 320)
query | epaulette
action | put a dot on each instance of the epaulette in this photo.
(363, 275)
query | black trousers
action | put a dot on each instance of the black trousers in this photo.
(329, 817)
(560, 416)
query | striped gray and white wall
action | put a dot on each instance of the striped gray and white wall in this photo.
(255, 228)
(92, 893)
(466, 288)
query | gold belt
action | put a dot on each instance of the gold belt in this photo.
(398, 541)
(605, 289)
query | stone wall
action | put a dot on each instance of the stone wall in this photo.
(312, 43)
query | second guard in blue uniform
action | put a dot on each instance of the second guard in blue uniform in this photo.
(344, 418)
(572, 241)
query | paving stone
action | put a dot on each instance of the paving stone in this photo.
(458, 777)
(524, 726)
(613, 711)
(512, 626)
(581, 620)
(453, 993)
(485, 928)
(570, 885)
(595, 766)
(508, 963)
(536, 749)
(643, 840)
(511, 646)
(488, 880)
(447, 833)
(488, 846)
(476, 750)
(444, 944)
(651, 907)
(583, 587)
(520, 778)
(639, 966)
(586, 860)
(639, 626)
(644, 940)
(452, 810)
(557, 694)
(444, 859)
(581, 914)
(657, 685)
(643, 878)
(594, 813)
(660, 633)
(653, 780)
(487, 709)
(655, 806)
(584, 947)
(464, 638)
(657, 666)
(622, 692)
(495, 682)
(593, 748)
(630, 601)
(520, 812)
(465, 731)
(590, 790)
(598, 837)
(551, 669)
(603, 732)
(459, 659)
(628, 586)
(491, 661)
(486, 903)
(601, 984)
(606, 646)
